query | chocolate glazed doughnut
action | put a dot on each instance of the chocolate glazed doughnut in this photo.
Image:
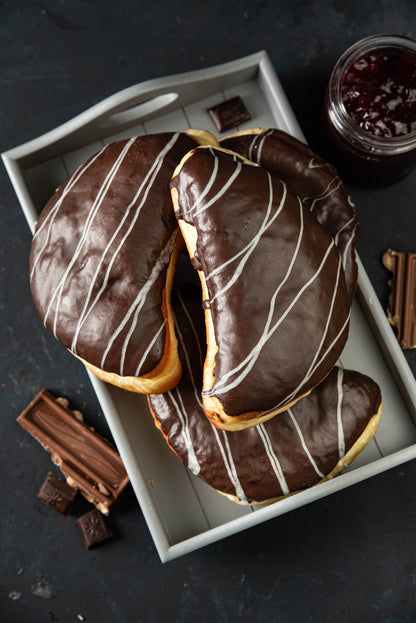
(311, 442)
(276, 305)
(310, 177)
(103, 258)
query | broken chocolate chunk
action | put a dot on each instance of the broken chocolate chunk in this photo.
(94, 528)
(229, 114)
(57, 494)
(88, 461)
(401, 306)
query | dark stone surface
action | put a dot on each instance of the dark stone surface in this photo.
(348, 558)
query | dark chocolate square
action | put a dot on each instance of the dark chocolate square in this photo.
(94, 528)
(57, 494)
(229, 114)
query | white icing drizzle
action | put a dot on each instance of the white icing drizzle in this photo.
(314, 164)
(208, 186)
(252, 357)
(266, 334)
(143, 190)
(49, 219)
(193, 464)
(149, 347)
(136, 306)
(345, 252)
(260, 148)
(223, 190)
(345, 226)
(249, 249)
(230, 464)
(261, 139)
(341, 437)
(253, 243)
(250, 149)
(317, 364)
(96, 205)
(313, 365)
(325, 193)
(305, 379)
(274, 461)
(223, 438)
(303, 442)
(185, 350)
(225, 453)
(194, 331)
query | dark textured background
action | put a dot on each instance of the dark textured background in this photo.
(348, 558)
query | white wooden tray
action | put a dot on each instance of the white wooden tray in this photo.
(182, 512)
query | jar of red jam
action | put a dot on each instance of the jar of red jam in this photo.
(369, 116)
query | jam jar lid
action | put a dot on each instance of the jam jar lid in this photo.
(386, 45)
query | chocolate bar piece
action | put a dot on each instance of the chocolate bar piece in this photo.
(401, 307)
(57, 494)
(88, 461)
(94, 528)
(229, 114)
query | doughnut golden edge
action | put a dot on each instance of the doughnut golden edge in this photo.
(212, 406)
(359, 445)
(167, 374)
(220, 419)
(202, 137)
(248, 132)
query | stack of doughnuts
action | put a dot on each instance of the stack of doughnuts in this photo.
(308, 443)
(242, 372)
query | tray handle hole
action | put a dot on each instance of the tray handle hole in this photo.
(140, 111)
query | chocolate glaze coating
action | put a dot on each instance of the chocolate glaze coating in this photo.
(275, 282)
(314, 180)
(294, 450)
(101, 250)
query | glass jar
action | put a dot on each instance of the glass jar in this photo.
(368, 120)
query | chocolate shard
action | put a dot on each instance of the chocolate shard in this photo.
(94, 528)
(229, 114)
(401, 306)
(57, 494)
(88, 461)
